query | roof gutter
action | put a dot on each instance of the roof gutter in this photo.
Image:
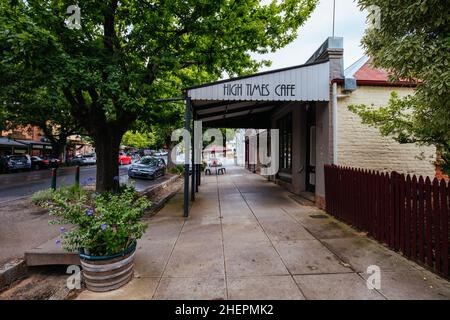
(379, 83)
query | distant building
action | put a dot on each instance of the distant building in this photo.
(77, 145)
(27, 140)
(24, 133)
(31, 140)
(360, 145)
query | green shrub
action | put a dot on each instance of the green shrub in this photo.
(42, 196)
(177, 169)
(105, 223)
(173, 170)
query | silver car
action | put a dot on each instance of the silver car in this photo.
(84, 160)
(147, 168)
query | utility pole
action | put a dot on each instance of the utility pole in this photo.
(334, 14)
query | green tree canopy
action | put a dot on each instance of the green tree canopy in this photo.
(42, 107)
(412, 42)
(138, 139)
(113, 68)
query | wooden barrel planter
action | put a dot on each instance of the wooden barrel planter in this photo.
(106, 273)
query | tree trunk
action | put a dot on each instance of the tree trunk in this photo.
(58, 147)
(170, 162)
(107, 143)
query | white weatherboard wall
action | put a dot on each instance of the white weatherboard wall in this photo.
(362, 146)
(305, 83)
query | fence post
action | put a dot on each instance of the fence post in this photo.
(387, 208)
(414, 219)
(401, 202)
(428, 222)
(421, 223)
(444, 223)
(436, 226)
(407, 230)
(53, 184)
(77, 176)
(396, 211)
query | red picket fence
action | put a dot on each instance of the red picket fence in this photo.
(409, 214)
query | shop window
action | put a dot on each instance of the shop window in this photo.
(285, 132)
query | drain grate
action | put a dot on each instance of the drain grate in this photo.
(318, 216)
(302, 201)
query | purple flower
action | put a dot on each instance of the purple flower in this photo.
(58, 242)
(88, 181)
(62, 229)
(104, 226)
(90, 212)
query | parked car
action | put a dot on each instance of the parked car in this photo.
(124, 158)
(135, 157)
(160, 153)
(38, 163)
(82, 160)
(15, 163)
(51, 162)
(147, 167)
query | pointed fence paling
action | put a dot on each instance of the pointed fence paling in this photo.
(409, 214)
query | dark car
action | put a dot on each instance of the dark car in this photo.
(147, 168)
(38, 163)
(14, 163)
(51, 162)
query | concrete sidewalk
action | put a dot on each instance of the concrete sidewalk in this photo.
(247, 238)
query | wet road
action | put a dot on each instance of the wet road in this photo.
(21, 184)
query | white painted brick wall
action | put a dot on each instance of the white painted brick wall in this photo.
(362, 146)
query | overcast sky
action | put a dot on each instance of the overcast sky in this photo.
(350, 24)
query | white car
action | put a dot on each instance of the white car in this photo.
(84, 159)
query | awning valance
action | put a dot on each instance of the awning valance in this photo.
(307, 82)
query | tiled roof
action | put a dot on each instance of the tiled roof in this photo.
(369, 73)
(364, 73)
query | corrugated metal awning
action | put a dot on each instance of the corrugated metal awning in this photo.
(308, 82)
(32, 142)
(10, 143)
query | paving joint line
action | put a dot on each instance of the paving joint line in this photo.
(329, 248)
(221, 231)
(271, 243)
(168, 259)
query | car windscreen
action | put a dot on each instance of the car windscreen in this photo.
(149, 161)
(18, 158)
